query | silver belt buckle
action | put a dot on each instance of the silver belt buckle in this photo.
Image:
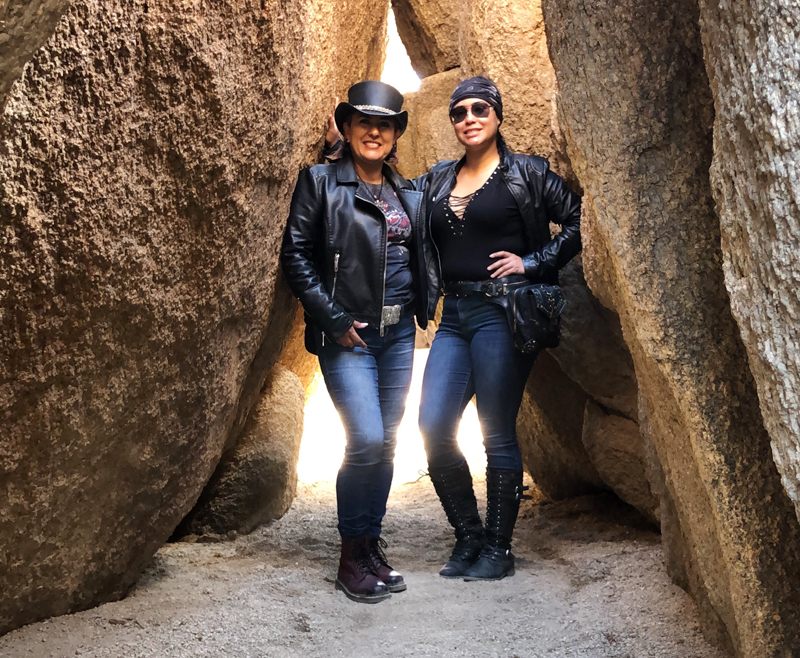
(391, 315)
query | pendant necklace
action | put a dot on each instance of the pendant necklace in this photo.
(371, 189)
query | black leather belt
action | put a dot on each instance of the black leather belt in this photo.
(489, 287)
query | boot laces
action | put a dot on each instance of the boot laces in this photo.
(378, 546)
(362, 556)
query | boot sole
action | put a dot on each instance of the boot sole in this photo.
(361, 598)
(470, 579)
(397, 588)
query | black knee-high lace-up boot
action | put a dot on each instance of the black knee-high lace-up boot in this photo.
(504, 490)
(453, 484)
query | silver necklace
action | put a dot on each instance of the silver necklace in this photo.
(370, 187)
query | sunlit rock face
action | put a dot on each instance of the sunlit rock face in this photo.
(637, 112)
(753, 63)
(149, 151)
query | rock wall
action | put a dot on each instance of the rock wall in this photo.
(429, 30)
(148, 153)
(753, 64)
(255, 482)
(637, 113)
(25, 25)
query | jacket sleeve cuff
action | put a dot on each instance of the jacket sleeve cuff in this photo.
(531, 264)
(333, 152)
(537, 266)
(339, 326)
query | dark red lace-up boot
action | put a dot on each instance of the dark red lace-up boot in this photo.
(393, 579)
(357, 576)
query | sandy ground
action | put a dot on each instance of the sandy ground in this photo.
(590, 582)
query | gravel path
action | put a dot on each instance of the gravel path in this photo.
(590, 583)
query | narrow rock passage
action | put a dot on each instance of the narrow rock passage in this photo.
(590, 583)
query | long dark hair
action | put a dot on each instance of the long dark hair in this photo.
(502, 147)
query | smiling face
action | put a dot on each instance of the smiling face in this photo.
(371, 138)
(476, 131)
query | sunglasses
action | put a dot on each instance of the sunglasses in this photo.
(479, 111)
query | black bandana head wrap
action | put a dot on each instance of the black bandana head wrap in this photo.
(478, 87)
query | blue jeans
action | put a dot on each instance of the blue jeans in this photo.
(473, 354)
(368, 388)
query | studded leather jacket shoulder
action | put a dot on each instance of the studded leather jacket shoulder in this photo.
(334, 248)
(542, 197)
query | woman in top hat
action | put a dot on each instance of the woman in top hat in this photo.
(488, 217)
(352, 254)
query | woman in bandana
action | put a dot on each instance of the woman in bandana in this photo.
(488, 216)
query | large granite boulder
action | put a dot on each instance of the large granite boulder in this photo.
(429, 30)
(550, 433)
(753, 63)
(255, 482)
(25, 25)
(637, 113)
(429, 136)
(616, 449)
(149, 152)
(592, 350)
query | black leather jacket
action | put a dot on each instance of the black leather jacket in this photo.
(542, 197)
(334, 248)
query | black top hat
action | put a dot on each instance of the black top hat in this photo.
(373, 98)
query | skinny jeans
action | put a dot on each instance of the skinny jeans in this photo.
(473, 354)
(368, 387)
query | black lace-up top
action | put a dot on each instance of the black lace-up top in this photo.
(490, 222)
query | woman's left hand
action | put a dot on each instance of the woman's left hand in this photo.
(508, 264)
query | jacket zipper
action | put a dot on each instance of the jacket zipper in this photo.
(335, 272)
(385, 257)
(435, 246)
(335, 277)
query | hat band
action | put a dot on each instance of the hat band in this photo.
(375, 108)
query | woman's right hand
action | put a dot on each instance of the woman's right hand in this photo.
(332, 134)
(351, 338)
